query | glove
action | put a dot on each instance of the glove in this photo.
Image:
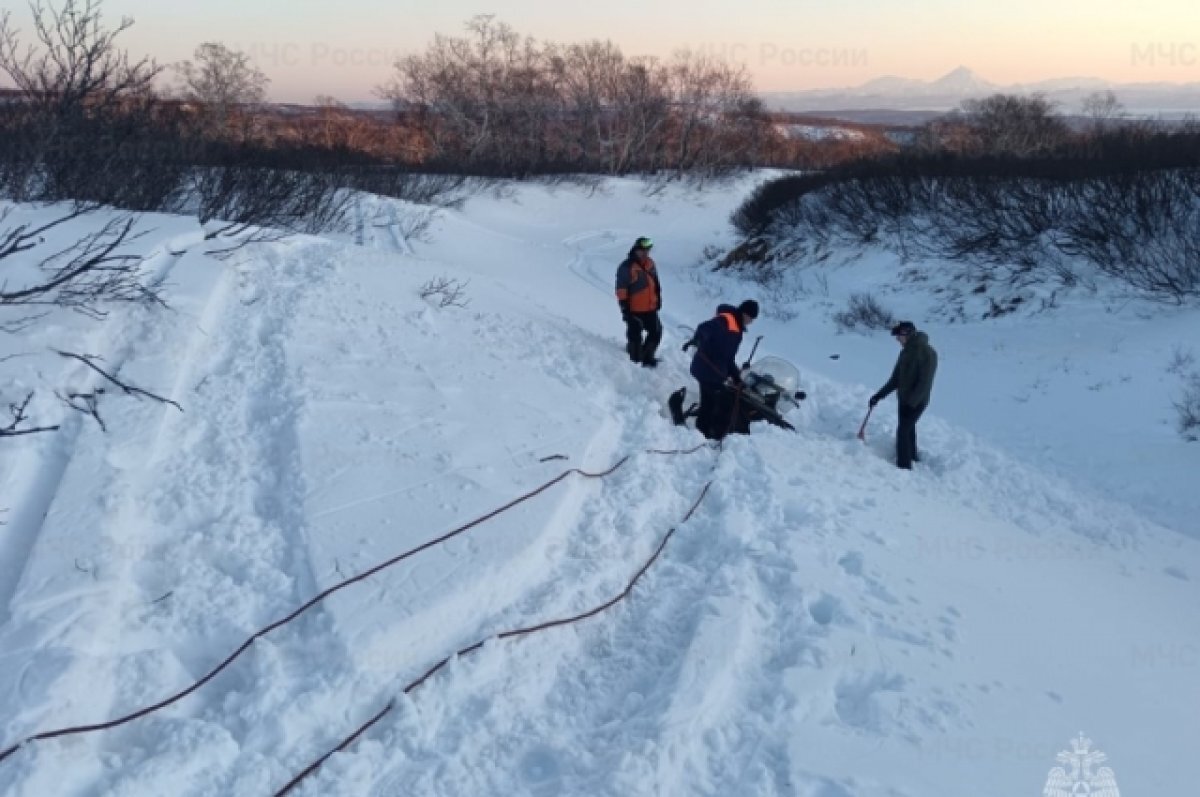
(624, 311)
(873, 400)
(689, 344)
(736, 378)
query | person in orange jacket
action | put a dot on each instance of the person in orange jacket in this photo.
(639, 295)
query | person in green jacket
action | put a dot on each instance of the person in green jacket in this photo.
(912, 379)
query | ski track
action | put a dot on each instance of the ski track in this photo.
(581, 262)
(77, 620)
(235, 555)
(46, 466)
(213, 518)
(350, 690)
(662, 672)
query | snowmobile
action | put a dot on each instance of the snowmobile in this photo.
(769, 389)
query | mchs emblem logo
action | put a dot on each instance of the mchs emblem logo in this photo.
(1081, 774)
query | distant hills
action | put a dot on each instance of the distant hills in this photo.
(892, 93)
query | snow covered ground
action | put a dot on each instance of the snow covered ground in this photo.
(823, 625)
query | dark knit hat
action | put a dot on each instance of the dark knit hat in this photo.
(904, 328)
(749, 308)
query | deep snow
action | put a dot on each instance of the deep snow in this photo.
(824, 624)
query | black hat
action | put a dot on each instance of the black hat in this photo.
(749, 308)
(903, 328)
(643, 243)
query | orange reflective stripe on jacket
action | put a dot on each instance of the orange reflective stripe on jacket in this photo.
(639, 287)
(731, 322)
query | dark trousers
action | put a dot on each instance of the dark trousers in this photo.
(637, 324)
(906, 435)
(712, 418)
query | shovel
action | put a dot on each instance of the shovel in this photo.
(862, 430)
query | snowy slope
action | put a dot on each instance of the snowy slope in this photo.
(822, 625)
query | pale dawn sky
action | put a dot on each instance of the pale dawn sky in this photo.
(345, 48)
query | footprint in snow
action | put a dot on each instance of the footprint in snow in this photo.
(858, 699)
(541, 768)
(852, 563)
(826, 609)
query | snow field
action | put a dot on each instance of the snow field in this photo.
(823, 625)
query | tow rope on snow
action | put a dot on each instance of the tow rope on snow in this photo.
(175, 698)
(511, 634)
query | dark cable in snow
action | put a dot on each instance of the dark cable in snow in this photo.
(511, 634)
(175, 698)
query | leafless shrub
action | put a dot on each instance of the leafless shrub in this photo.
(130, 390)
(1124, 203)
(437, 190)
(445, 292)
(1187, 408)
(243, 204)
(96, 270)
(414, 225)
(863, 312)
(1182, 362)
(1143, 229)
(19, 422)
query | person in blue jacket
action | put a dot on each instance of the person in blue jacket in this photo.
(717, 341)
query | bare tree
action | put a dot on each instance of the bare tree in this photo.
(709, 98)
(1009, 124)
(640, 112)
(588, 75)
(1103, 110)
(221, 80)
(83, 127)
(78, 66)
(493, 100)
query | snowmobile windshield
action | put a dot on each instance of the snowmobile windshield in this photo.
(778, 372)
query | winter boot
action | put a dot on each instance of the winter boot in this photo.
(675, 404)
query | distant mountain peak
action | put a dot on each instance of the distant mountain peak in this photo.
(962, 79)
(893, 92)
(961, 72)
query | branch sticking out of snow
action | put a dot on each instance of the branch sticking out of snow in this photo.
(446, 292)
